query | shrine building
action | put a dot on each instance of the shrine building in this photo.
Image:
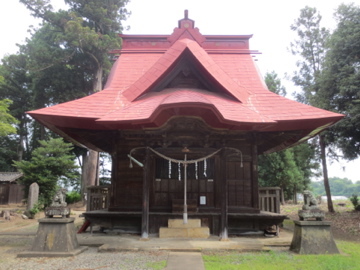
(191, 114)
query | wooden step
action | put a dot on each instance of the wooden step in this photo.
(179, 223)
(202, 232)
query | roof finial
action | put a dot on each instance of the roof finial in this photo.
(186, 22)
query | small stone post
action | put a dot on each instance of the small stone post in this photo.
(33, 196)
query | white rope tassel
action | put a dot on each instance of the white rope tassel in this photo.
(205, 167)
(179, 171)
(169, 169)
(196, 170)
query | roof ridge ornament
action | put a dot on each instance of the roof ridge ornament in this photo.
(186, 22)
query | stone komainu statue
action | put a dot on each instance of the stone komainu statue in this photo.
(310, 201)
(58, 206)
(310, 209)
(59, 198)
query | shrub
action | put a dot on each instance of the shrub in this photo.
(73, 197)
(355, 201)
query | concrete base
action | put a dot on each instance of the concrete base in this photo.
(56, 237)
(313, 237)
(177, 229)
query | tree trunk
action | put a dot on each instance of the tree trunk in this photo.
(325, 173)
(20, 150)
(97, 84)
(90, 168)
(282, 197)
(89, 171)
(42, 132)
(22, 140)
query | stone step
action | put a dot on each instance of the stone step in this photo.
(202, 232)
(179, 223)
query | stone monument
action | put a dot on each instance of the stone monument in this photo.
(312, 235)
(56, 236)
(33, 196)
(32, 200)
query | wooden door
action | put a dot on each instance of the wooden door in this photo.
(168, 186)
(4, 193)
(239, 183)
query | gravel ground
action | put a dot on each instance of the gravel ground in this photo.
(88, 260)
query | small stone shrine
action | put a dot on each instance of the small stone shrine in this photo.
(312, 235)
(56, 236)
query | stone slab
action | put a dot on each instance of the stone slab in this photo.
(62, 211)
(185, 260)
(29, 254)
(311, 214)
(179, 223)
(313, 237)
(202, 232)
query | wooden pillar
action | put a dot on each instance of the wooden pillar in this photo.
(255, 180)
(145, 200)
(114, 170)
(224, 199)
(114, 180)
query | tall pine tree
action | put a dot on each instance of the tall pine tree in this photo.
(86, 33)
(310, 48)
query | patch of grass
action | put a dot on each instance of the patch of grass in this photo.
(286, 260)
(156, 265)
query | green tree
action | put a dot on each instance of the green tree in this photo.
(16, 86)
(290, 169)
(279, 169)
(51, 164)
(341, 79)
(86, 33)
(273, 83)
(339, 187)
(6, 120)
(310, 48)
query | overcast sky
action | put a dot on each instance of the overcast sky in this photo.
(268, 21)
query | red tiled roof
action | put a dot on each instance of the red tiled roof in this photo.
(241, 100)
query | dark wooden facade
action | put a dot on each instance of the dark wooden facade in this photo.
(224, 191)
(11, 192)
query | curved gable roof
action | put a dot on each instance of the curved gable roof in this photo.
(141, 91)
(167, 61)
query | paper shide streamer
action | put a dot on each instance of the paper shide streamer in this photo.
(184, 162)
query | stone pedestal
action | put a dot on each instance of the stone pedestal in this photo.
(177, 229)
(56, 237)
(62, 211)
(313, 237)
